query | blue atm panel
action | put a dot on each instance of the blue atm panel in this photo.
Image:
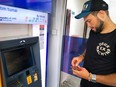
(36, 5)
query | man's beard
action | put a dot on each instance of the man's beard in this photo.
(100, 28)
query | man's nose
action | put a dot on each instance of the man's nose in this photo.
(88, 25)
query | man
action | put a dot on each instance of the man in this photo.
(99, 69)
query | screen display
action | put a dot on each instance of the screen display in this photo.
(18, 60)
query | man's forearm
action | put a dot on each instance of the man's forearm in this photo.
(83, 54)
(107, 79)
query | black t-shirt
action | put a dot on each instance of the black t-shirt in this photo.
(100, 55)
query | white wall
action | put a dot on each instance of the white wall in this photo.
(77, 25)
(112, 10)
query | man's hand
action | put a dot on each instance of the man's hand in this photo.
(76, 68)
(77, 60)
(83, 73)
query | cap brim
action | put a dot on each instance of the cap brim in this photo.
(81, 15)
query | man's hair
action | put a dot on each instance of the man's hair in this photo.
(95, 12)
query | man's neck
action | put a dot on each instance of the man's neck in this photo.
(109, 27)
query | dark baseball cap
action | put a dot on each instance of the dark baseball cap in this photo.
(91, 6)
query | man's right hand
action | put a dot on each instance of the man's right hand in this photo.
(77, 60)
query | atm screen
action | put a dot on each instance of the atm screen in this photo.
(18, 60)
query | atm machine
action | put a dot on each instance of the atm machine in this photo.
(20, 62)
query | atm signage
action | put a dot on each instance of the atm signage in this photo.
(22, 16)
(7, 19)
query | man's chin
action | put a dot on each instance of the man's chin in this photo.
(93, 30)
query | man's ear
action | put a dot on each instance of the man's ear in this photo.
(101, 15)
